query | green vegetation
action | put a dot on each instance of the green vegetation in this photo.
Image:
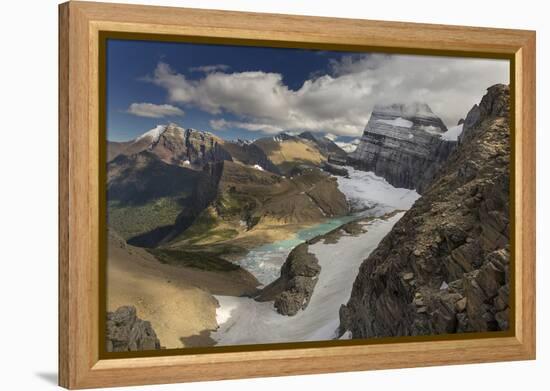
(133, 220)
(200, 229)
(204, 260)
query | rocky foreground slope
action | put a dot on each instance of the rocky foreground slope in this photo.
(126, 332)
(444, 267)
(402, 143)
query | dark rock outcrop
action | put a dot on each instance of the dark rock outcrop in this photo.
(127, 333)
(292, 291)
(403, 144)
(326, 146)
(444, 267)
(142, 177)
(334, 169)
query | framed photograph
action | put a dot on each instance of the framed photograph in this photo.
(247, 195)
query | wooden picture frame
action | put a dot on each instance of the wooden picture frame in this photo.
(80, 28)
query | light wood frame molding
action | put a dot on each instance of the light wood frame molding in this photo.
(80, 365)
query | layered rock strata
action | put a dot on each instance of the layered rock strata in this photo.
(402, 143)
(444, 267)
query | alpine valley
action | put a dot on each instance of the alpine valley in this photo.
(296, 237)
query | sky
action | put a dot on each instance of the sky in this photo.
(252, 92)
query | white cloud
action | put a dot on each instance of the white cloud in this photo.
(151, 110)
(210, 68)
(339, 102)
(221, 124)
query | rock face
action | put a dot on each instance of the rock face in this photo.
(250, 154)
(175, 145)
(325, 145)
(143, 176)
(292, 291)
(197, 147)
(444, 267)
(127, 333)
(334, 169)
(403, 144)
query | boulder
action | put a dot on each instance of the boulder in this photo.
(292, 291)
(127, 333)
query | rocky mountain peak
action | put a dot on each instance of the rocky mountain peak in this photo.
(403, 144)
(416, 116)
(495, 103)
(152, 135)
(192, 135)
(308, 135)
(444, 267)
(284, 136)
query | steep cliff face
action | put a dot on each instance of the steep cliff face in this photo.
(444, 267)
(403, 144)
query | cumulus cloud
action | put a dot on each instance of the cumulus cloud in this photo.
(340, 101)
(221, 124)
(151, 110)
(210, 68)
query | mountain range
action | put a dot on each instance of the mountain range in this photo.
(173, 187)
(193, 148)
(191, 200)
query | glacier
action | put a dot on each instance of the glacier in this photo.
(242, 320)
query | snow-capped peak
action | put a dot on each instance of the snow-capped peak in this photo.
(153, 134)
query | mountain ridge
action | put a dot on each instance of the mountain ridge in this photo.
(444, 267)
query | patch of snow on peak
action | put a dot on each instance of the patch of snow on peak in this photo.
(153, 134)
(431, 129)
(348, 147)
(258, 167)
(453, 133)
(401, 122)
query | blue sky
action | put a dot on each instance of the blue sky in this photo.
(130, 62)
(251, 92)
